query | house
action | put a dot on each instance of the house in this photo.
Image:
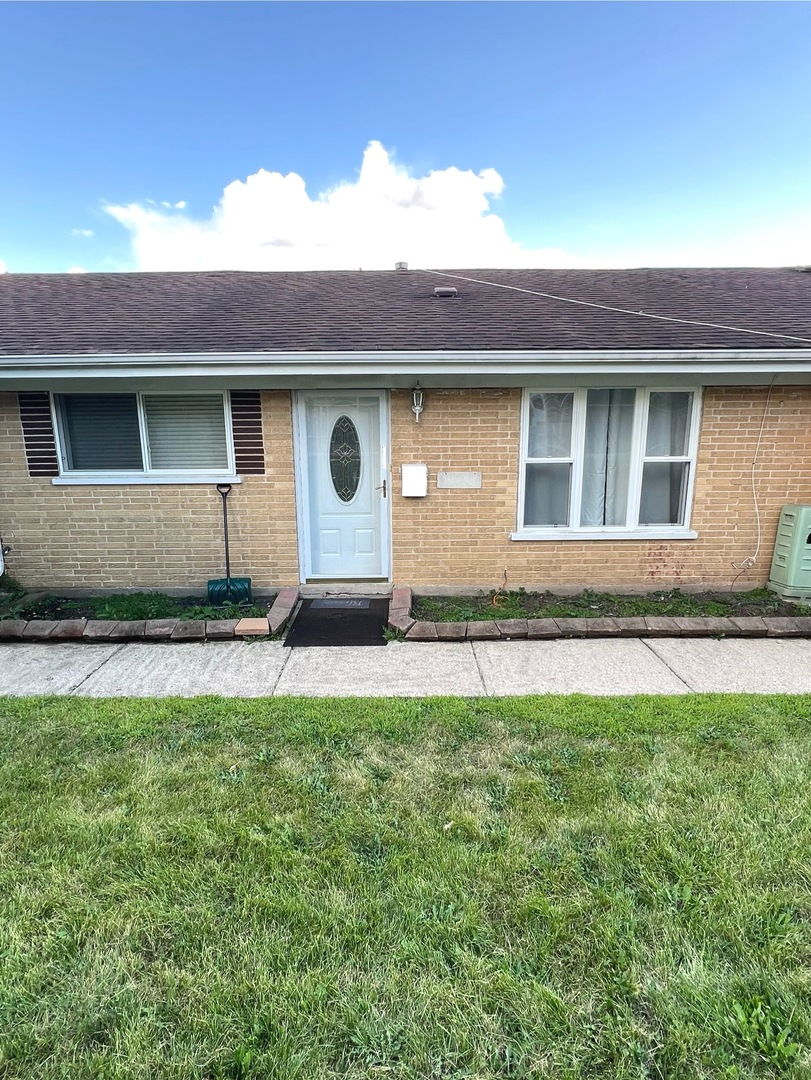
(630, 429)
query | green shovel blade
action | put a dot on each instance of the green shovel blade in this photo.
(240, 591)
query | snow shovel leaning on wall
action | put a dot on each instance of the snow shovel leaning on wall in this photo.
(232, 590)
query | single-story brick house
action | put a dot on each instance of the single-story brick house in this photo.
(620, 429)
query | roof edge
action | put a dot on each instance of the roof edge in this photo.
(381, 364)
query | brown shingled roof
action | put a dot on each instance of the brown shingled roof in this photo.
(396, 310)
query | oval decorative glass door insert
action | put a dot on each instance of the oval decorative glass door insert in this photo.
(344, 459)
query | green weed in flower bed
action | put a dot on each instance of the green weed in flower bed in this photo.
(134, 607)
(591, 605)
(10, 587)
(290, 888)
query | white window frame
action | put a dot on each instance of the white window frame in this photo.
(144, 476)
(630, 531)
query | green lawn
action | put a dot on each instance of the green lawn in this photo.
(517, 888)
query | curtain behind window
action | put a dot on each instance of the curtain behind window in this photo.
(664, 487)
(547, 484)
(550, 425)
(607, 457)
(668, 423)
(664, 483)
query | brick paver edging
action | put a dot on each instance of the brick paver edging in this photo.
(400, 618)
(107, 630)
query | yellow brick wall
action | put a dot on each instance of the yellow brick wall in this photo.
(149, 536)
(461, 537)
(171, 536)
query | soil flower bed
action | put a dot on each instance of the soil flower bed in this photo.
(129, 607)
(593, 605)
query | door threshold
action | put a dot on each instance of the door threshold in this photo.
(357, 587)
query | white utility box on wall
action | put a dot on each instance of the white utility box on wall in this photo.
(414, 480)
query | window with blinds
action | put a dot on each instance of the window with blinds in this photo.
(185, 431)
(143, 433)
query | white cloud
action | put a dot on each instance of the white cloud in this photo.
(781, 244)
(86, 233)
(76, 270)
(269, 222)
(3, 267)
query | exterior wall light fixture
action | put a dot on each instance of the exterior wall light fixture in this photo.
(417, 401)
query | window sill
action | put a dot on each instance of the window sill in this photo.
(664, 533)
(125, 479)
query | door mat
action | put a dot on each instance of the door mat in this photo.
(335, 621)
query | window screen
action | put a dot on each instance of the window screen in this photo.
(102, 433)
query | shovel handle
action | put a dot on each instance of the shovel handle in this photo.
(223, 490)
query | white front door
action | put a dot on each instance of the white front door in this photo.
(342, 489)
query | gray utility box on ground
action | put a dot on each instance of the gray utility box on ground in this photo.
(790, 576)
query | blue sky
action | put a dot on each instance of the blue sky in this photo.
(614, 134)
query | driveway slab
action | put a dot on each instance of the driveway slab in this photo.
(573, 666)
(185, 669)
(739, 665)
(58, 668)
(401, 670)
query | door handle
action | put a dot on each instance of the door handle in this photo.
(382, 487)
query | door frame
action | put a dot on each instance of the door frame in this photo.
(303, 490)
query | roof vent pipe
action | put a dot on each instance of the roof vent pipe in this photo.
(401, 266)
(445, 292)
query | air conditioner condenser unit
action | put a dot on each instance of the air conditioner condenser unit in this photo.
(790, 575)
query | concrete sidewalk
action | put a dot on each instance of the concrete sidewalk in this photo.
(470, 669)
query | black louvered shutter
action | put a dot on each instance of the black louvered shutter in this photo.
(246, 422)
(38, 433)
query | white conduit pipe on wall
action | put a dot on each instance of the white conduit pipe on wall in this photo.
(750, 560)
